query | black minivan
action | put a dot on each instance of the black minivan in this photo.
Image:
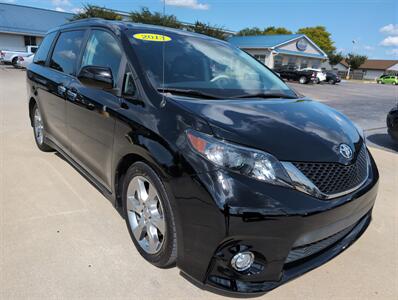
(215, 163)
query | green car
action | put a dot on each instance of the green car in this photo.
(385, 79)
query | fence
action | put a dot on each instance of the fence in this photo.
(357, 74)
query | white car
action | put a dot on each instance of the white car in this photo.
(24, 62)
(319, 74)
(12, 56)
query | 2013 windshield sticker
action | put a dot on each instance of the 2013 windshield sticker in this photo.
(152, 37)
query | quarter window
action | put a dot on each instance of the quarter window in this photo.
(66, 51)
(41, 54)
(103, 50)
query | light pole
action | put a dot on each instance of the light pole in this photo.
(349, 66)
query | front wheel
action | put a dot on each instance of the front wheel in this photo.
(303, 80)
(39, 130)
(149, 215)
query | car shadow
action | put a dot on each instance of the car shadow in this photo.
(383, 140)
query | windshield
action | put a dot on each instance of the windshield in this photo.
(203, 66)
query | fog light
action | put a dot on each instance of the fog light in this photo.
(242, 261)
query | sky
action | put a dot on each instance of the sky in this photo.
(368, 27)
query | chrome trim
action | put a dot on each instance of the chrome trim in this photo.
(303, 184)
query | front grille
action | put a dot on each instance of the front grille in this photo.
(310, 249)
(334, 178)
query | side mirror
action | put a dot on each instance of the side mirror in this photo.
(96, 77)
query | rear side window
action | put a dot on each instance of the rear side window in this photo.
(41, 54)
(102, 50)
(66, 51)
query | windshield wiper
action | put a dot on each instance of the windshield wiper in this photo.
(267, 96)
(189, 93)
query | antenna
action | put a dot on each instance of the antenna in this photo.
(163, 103)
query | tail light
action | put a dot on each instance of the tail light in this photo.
(313, 74)
(2, 53)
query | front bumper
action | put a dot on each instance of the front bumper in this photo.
(279, 226)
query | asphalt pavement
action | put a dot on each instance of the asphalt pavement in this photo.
(367, 104)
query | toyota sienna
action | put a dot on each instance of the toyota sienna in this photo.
(216, 165)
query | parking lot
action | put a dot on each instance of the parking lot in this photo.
(365, 103)
(60, 238)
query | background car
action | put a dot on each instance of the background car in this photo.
(332, 78)
(320, 75)
(293, 73)
(12, 56)
(392, 123)
(24, 62)
(388, 79)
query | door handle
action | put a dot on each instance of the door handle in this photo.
(61, 90)
(71, 95)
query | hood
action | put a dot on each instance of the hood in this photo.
(291, 130)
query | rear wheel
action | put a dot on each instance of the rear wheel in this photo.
(331, 81)
(39, 130)
(149, 216)
(303, 80)
(14, 61)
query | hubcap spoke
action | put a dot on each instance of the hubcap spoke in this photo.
(135, 205)
(38, 126)
(139, 230)
(158, 221)
(153, 239)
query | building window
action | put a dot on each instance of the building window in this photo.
(260, 58)
(304, 63)
(292, 61)
(316, 64)
(30, 40)
(278, 61)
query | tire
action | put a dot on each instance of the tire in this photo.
(331, 81)
(318, 81)
(141, 215)
(14, 62)
(39, 131)
(303, 80)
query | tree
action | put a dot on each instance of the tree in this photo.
(354, 60)
(93, 11)
(207, 29)
(335, 58)
(276, 30)
(250, 31)
(266, 31)
(145, 16)
(320, 36)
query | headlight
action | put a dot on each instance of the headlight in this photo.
(249, 162)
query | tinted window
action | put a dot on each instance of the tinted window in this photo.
(42, 52)
(102, 50)
(66, 51)
(202, 64)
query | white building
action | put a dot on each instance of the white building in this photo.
(285, 49)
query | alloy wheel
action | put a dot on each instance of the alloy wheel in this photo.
(145, 213)
(38, 126)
